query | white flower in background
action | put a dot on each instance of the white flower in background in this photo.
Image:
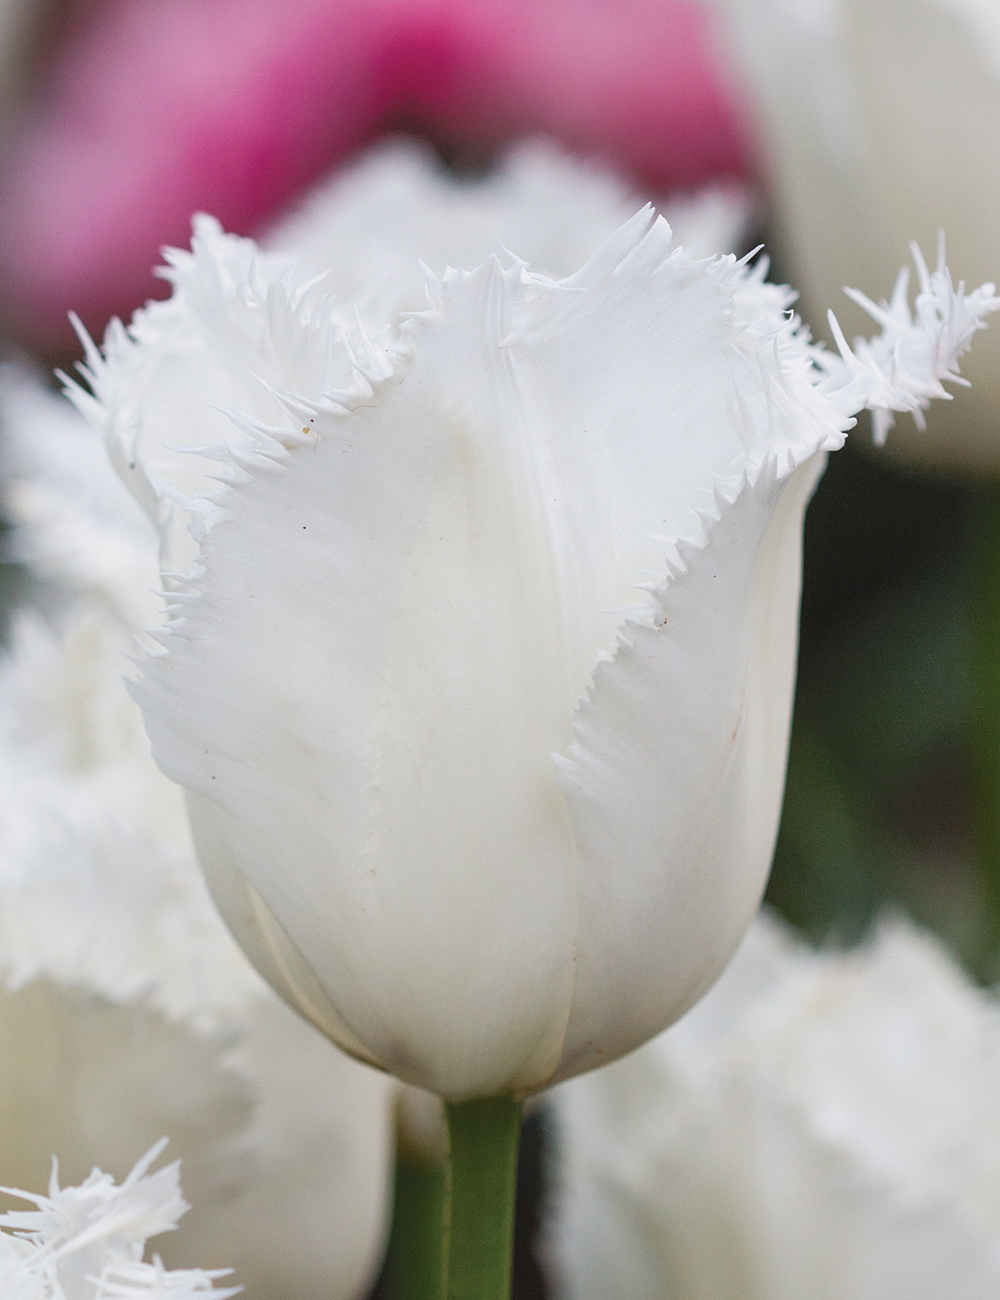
(479, 674)
(369, 228)
(879, 122)
(87, 1242)
(822, 1125)
(126, 1011)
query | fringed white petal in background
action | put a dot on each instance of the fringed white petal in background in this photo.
(821, 1125)
(126, 1010)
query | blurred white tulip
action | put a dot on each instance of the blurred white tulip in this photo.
(879, 122)
(126, 1011)
(822, 1125)
(478, 669)
(369, 227)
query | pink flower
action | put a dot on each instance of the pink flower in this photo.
(153, 109)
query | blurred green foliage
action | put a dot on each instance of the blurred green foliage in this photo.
(878, 809)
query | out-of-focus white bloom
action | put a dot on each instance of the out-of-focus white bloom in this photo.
(822, 1125)
(879, 123)
(369, 228)
(87, 1242)
(126, 1011)
(480, 688)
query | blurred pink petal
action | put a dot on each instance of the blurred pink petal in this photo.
(635, 83)
(154, 109)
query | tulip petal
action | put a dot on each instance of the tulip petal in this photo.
(677, 773)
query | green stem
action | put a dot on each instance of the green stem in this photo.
(416, 1243)
(483, 1136)
(986, 698)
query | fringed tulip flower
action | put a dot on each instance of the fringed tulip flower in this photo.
(879, 123)
(479, 669)
(126, 1011)
(821, 1125)
(87, 1242)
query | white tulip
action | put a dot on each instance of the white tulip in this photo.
(87, 1242)
(126, 1011)
(822, 1125)
(479, 681)
(879, 122)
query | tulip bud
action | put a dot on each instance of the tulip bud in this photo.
(479, 682)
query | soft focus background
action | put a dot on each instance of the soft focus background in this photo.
(121, 117)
